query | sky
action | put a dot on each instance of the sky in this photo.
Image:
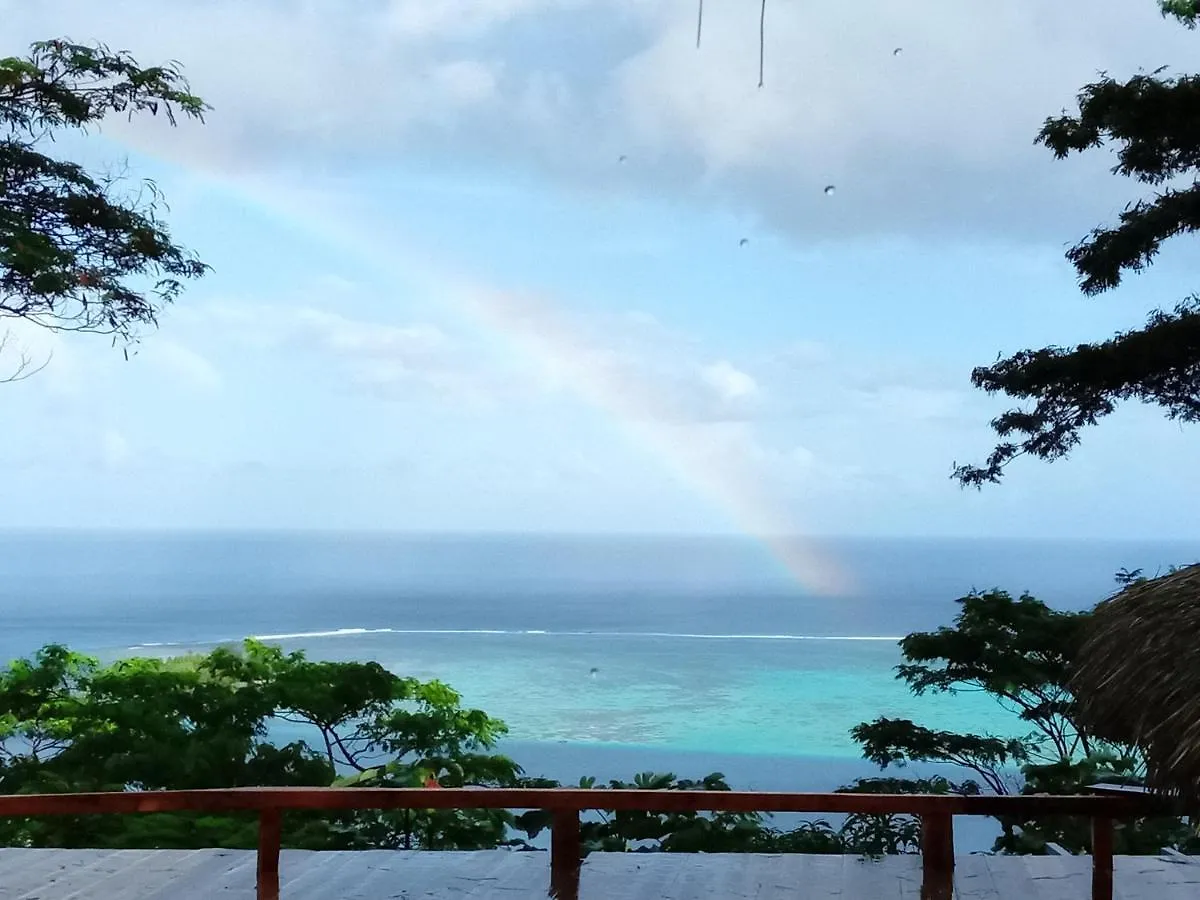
(546, 265)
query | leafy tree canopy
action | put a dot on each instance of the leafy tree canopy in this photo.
(1018, 652)
(1186, 11)
(1015, 650)
(68, 723)
(1154, 121)
(83, 251)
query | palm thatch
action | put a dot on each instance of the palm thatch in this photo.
(1137, 678)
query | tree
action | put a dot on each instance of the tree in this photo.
(1186, 11)
(68, 723)
(1155, 122)
(1141, 836)
(24, 366)
(83, 251)
(1019, 652)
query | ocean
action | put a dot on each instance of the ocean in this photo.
(605, 655)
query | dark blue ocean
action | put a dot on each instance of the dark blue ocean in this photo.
(605, 655)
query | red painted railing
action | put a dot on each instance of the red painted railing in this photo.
(565, 804)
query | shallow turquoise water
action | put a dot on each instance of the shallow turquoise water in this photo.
(796, 698)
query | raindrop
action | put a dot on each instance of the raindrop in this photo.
(830, 190)
(743, 242)
(594, 672)
(762, 41)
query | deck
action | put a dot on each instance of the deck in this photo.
(503, 875)
(932, 876)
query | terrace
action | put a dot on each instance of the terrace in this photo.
(270, 874)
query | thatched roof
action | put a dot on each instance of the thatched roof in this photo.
(1137, 677)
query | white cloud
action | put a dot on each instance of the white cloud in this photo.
(181, 362)
(425, 19)
(397, 362)
(914, 142)
(316, 75)
(369, 340)
(729, 382)
(387, 360)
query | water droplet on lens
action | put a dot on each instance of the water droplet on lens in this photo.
(830, 190)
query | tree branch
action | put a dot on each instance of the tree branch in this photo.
(24, 367)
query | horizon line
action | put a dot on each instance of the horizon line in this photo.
(552, 533)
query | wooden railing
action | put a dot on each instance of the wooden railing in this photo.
(936, 813)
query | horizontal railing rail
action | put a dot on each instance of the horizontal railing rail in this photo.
(565, 804)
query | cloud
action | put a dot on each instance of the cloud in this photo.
(181, 362)
(797, 420)
(938, 138)
(410, 347)
(426, 19)
(390, 361)
(730, 383)
(395, 361)
(826, 382)
(313, 78)
(717, 459)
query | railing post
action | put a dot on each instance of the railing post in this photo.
(937, 856)
(566, 850)
(1102, 858)
(269, 827)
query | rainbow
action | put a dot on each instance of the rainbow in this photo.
(538, 328)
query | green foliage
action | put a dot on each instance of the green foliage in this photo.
(888, 742)
(69, 724)
(81, 251)
(1152, 120)
(687, 832)
(879, 834)
(1142, 836)
(1186, 11)
(1018, 652)
(1128, 577)
(723, 832)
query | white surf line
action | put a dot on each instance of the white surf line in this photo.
(532, 632)
(351, 632)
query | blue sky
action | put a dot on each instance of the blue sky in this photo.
(442, 300)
